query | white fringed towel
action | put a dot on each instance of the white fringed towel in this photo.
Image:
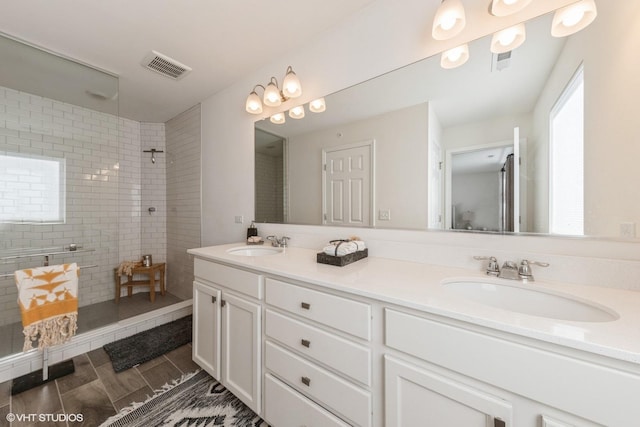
(48, 301)
(342, 248)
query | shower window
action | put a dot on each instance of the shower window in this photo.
(32, 189)
(567, 159)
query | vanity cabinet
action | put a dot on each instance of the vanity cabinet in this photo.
(455, 370)
(227, 328)
(317, 356)
(416, 396)
(300, 353)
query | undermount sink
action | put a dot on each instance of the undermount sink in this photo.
(530, 301)
(255, 250)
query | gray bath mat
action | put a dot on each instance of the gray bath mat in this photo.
(144, 346)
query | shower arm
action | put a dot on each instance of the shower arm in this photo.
(153, 152)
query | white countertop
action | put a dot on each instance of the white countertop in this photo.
(418, 286)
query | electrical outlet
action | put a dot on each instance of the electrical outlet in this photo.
(239, 219)
(384, 215)
(628, 229)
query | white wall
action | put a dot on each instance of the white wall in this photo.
(342, 57)
(611, 88)
(400, 167)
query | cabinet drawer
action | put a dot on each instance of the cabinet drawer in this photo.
(239, 280)
(284, 407)
(330, 390)
(344, 356)
(340, 313)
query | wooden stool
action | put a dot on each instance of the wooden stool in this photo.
(151, 283)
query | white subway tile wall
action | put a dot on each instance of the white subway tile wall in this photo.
(183, 198)
(154, 192)
(104, 185)
(269, 188)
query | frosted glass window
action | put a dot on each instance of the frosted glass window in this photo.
(31, 189)
(567, 160)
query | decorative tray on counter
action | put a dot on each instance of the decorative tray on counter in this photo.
(341, 261)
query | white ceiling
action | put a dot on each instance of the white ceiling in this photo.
(221, 40)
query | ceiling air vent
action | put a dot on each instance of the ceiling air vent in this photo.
(501, 61)
(164, 65)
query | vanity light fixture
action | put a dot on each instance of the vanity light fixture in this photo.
(507, 7)
(508, 39)
(278, 119)
(573, 18)
(273, 96)
(297, 112)
(455, 57)
(449, 20)
(317, 105)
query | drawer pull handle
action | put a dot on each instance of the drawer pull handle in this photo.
(305, 305)
(305, 343)
(306, 381)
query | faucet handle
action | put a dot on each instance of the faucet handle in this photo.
(524, 271)
(492, 269)
(284, 240)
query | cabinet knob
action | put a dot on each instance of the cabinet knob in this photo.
(305, 343)
(223, 303)
(213, 300)
(305, 305)
(306, 381)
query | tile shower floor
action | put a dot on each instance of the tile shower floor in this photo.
(94, 389)
(91, 317)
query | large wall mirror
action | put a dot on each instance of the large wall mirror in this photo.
(541, 140)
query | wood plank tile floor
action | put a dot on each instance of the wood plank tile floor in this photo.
(94, 389)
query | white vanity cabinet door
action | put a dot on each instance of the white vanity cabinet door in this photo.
(241, 334)
(227, 341)
(206, 328)
(416, 396)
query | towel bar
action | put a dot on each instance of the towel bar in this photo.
(81, 267)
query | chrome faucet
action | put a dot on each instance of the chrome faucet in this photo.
(510, 269)
(279, 242)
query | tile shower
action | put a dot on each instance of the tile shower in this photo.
(103, 190)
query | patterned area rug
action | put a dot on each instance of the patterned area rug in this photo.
(146, 345)
(196, 400)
